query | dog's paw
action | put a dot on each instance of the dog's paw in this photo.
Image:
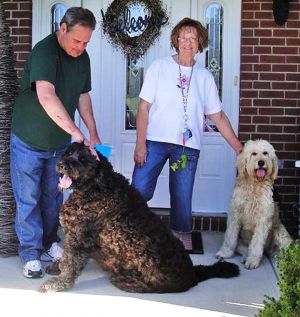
(54, 284)
(224, 254)
(49, 286)
(53, 268)
(252, 263)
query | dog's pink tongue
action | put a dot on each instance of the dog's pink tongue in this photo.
(260, 173)
(65, 181)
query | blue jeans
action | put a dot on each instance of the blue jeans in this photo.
(181, 182)
(38, 200)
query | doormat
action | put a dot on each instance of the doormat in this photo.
(197, 245)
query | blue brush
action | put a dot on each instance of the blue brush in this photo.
(105, 150)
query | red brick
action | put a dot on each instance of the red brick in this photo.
(285, 33)
(291, 129)
(283, 120)
(278, 59)
(269, 128)
(263, 15)
(284, 103)
(265, 136)
(271, 76)
(268, 6)
(289, 50)
(292, 111)
(249, 111)
(271, 94)
(284, 85)
(293, 59)
(247, 128)
(284, 68)
(20, 31)
(262, 85)
(262, 50)
(22, 14)
(261, 119)
(272, 41)
(262, 67)
(246, 85)
(261, 102)
(270, 111)
(247, 33)
(247, 15)
(293, 42)
(249, 94)
(268, 24)
(263, 32)
(249, 41)
(292, 94)
(249, 76)
(247, 67)
(250, 6)
(247, 50)
(283, 138)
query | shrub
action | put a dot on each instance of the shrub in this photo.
(288, 304)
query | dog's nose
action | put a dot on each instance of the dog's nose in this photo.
(261, 163)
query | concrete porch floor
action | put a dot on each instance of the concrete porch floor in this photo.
(93, 295)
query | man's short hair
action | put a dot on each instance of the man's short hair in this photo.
(79, 15)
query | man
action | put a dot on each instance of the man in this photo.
(56, 82)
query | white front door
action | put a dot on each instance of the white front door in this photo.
(216, 169)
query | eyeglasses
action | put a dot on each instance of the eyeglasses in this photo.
(190, 39)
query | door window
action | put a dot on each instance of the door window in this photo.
(213, 58)
(57, 12)
(135, 76)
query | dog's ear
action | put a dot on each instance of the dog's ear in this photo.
(241, 164)
(274, 167)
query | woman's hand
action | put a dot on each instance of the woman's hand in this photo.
(140, 154)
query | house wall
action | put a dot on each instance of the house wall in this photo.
(270, 86)
(270, 91)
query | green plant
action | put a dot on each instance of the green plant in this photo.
(288, 304)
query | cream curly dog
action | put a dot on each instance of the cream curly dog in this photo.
(254, 216)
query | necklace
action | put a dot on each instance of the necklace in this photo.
(187, 133)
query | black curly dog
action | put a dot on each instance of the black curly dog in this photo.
(107, 219)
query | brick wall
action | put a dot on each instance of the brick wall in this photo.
(270, 90)
(270, 82)
(19, 17)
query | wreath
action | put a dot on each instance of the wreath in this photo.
(118, 23)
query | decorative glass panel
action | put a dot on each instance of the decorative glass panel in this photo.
(213, 61)
(57, 12)
(214, 57)
(135, 75)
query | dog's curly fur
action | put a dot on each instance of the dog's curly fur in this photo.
(254, 215)
(107, 219)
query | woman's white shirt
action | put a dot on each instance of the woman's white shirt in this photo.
(161, 88)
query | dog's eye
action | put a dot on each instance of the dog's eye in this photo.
(265, 153)
(254, 153)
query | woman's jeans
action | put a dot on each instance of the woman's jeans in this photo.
(38, 200)
(181, 182)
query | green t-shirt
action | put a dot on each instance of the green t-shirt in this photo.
(70, 77)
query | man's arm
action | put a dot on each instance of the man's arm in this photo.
(223, 124)
(56, 110)
(86, 112)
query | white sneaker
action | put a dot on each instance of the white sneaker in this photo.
(33, 269)
(53, 254)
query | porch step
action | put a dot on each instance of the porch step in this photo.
(210, 222)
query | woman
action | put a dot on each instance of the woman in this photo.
(176, 95)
